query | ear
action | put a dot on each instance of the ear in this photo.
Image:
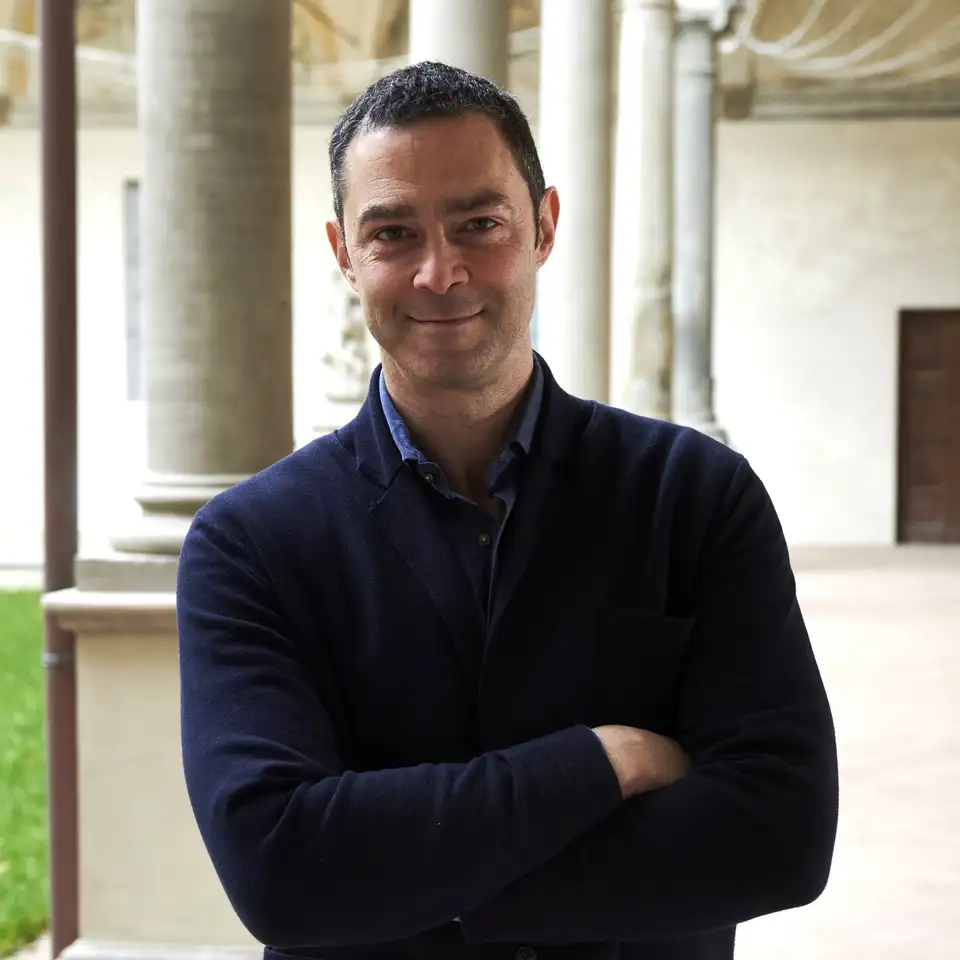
(549, 215)
(339, 246)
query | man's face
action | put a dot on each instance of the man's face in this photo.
(440, 242)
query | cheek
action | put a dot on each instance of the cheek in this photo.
(380, 282)
(494, 267)
(511, 271)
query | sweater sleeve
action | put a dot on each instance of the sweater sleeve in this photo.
(311, 853)
(751, 831)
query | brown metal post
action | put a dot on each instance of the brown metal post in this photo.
(59, 152)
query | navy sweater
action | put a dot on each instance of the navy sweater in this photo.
(368, 760)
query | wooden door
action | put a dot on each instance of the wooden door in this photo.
(929, 431)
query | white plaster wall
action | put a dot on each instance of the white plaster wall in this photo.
(112, 451)
(111, 447)
(825, 232)
(21, 359)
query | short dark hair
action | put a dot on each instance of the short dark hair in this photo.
(428, 90)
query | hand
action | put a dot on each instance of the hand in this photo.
(642, 760)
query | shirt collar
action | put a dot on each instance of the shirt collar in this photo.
(522, 436)
(398, 428)
(530, 409)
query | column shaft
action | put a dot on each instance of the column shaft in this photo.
(642, 325)
(215, 115)
(471, 34)
(694, 183)
(573, 293)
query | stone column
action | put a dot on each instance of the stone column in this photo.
(573, 291)
(214, 99)
(642, 324)
(694, 186)
(215, 118)
(471, 34)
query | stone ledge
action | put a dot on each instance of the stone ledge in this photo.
(112, 612)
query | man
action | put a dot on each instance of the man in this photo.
(493, 671)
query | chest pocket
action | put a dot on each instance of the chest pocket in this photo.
(637, 666)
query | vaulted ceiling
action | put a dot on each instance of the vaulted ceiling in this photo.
(784, 48)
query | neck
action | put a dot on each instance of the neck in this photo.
(460, 430)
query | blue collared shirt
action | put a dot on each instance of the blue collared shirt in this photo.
(476, 535)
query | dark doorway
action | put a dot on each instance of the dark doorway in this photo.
(928, 482)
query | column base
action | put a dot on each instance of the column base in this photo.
(169, 503)
(120, 572)
(154, 535)
(109, 950)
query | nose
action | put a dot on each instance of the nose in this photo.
(441, 267)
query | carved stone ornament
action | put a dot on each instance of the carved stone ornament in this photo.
(349, 363)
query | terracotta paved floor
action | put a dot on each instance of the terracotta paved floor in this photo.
(886, 627)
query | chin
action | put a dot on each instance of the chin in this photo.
(454, 370)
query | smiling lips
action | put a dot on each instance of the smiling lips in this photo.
(455, 319)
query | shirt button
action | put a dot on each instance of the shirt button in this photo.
(430, 478)
(525, 953)
(484, 541)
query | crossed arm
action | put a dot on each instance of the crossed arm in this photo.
(534, 843)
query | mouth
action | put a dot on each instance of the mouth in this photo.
(458, 318)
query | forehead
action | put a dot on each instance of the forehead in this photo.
(427, 160)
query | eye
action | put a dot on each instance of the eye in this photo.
(389, 234)
(482, 224)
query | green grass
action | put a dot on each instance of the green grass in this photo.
(24, 910)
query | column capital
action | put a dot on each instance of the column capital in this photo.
(719, 14)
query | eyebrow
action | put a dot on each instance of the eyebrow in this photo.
(481, 200)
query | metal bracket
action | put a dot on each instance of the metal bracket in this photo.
(52, 660)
